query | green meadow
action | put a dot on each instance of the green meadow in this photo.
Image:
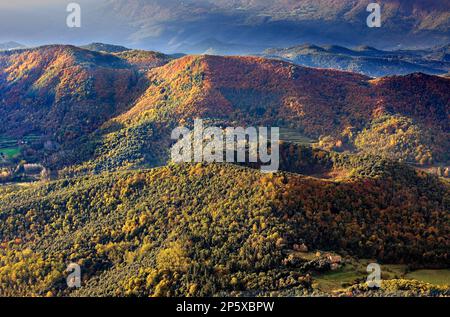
(294, 136)
(354, 271)
(10, 147)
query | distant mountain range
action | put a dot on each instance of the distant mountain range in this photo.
(108, 48)
(237, 26)
(363, 59)
(367, 60)
(215, 25)
(11, 46)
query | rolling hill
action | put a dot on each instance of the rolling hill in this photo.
(341, 109)
(64, 91)
(113, 110)
(219, 229)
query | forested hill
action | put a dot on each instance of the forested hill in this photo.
(214, 230)
(75, 96)
(64, 91)
(400, 117)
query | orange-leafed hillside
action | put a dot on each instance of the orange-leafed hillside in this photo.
(66, 92)
(257, 90)
(62, 90)
(254, 90)
(423, 97)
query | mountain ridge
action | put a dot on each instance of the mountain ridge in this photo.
(282, 23)
(61, 76)
(157, 93)
(366, 60)
(11, 45)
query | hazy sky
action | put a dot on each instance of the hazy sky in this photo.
(5, 4)
(35, 22)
